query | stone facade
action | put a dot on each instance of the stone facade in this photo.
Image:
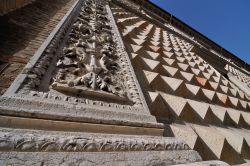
(118, 83)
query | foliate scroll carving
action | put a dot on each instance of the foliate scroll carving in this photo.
(36, 142)
(85, 62)
(89, 61)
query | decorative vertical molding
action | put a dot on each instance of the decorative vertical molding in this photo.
(134, 84)
(32, 95)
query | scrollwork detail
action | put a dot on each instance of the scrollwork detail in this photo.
(56, 143)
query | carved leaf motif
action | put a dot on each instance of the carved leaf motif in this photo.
(137, 147)
(91, 147)
(122, 147)
(159, 147)
(107, 147)
(26, 146)
(169, 147)
(89, 58)
(50, 146)
(149, 146)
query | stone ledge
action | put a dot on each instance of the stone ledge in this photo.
(55, 141)
(205, 163)
(55, 125)
(58, 110)
(99, 158)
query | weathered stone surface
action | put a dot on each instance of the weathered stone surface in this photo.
(10, 73)
(107, 75)
(205, 163)
(24, 140)
(99, 158)
(24, 30)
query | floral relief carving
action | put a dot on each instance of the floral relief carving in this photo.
(89, 60)
(85, 62)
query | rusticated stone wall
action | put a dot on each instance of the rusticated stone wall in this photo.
(204, 106)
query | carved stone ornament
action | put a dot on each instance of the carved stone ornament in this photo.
(21, 141)
(89, 60)
(85, 61)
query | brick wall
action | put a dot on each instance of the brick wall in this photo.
(23, 31)
(10, 5)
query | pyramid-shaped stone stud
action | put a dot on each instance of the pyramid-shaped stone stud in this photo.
(141, 37)
(246, 117)
(187, 76)
(223, 89)
(233, 138)
(206, 75)
(135, 48)
(184, 132)
(174, 104)
(168, 54)
(216, 79)
(158, 107)
(150, 76)
(153, 55)
(212, 85)
(201, 81)
(183, 67)
(167, 48)
(199, 107)
(134, 56)
(181, 60)
(178, 53)
(155, 43)
(193, 64)
(212, 118)
(138, 41)
(188, 90)
(219, 111)
(151, 64)
(171, 71)
(221, 99)
(170, 62)
(154, 48)
(196, 71)
(232, 92)
(233, 102)
(206, 94)
(242, 104)
(172, 84)
(211, 138)
(234, 115)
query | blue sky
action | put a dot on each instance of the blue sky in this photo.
(226, 22)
